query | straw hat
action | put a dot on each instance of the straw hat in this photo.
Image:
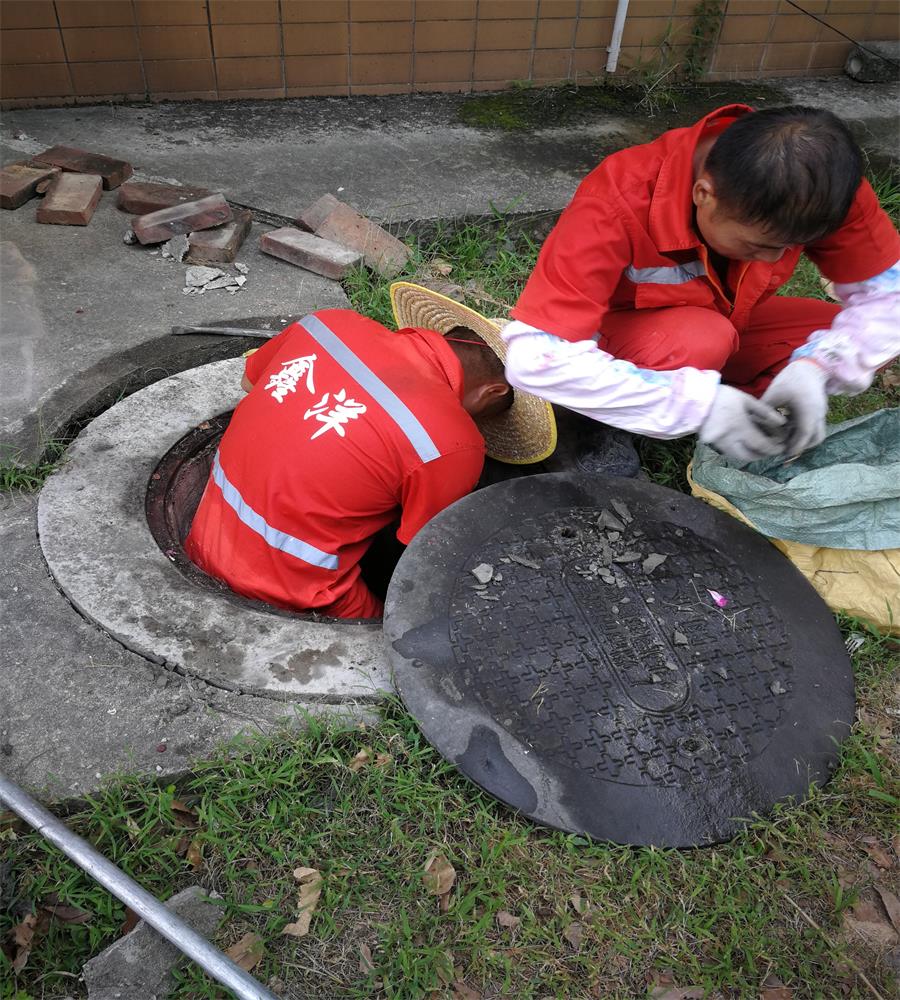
(526, 432)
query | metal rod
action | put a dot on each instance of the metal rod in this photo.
(615, 42)
(224, 331)
(148, 907)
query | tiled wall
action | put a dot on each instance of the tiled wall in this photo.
(67, 51)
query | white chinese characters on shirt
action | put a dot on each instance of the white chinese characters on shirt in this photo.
(333, 418)
(285, 381)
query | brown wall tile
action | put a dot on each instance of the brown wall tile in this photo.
(558, 8)
(373, 37)
(813, 6)
(190, 41)
(752, 7)
(886, 7)
(27, 14)
(33, 45)
(107, 78)
(883, 26)
(243, 12)
(179, 75)
(434, 67)
(381, 10)
(171, 11)
(314, 11)
(551, 64)
(738, 58)
(646, 31)
(503, 10)
(243, 40)
(598, 8)
(316, 39)
(558, 33)
(844, 6)
(854, 25)
(502, 65)
(379, 89)
(460, 87)
(786, 55)
(101, 44)
(827, 55)
(741, 29)
(590, 62)
(444, 10)
(311, 71)
(593, 31)
(47, 80)
(794, 28)
(444, 36)
(252, 93)
(248, 73)
(343, 91)
(381, 68)
(94, 13)
(494, 35)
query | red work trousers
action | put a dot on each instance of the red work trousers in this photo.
(357, 602)
(690, 336)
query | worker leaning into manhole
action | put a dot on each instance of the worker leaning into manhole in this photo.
(652, 309)
(348, 427)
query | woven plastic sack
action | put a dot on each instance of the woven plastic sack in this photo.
(834, 512)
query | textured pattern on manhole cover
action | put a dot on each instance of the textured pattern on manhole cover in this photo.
(569, 651)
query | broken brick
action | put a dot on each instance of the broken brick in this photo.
(19, 183)
(309, 251)
(140, 198)
(315, 214)
(79, 161)
(336, 221)
(71, 200)
(157, 227)
(220, 245)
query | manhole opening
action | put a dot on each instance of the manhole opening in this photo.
(173, 495)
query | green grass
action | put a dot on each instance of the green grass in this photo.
(28, 477)
(719, 918)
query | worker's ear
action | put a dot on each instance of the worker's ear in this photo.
(485, 399)
(703, 192)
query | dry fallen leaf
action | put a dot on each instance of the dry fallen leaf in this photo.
(463, 992)
(877, 853)
(505, 919)
(440, 266)
(774, 989)
(438, 878)
(134, 831)
(574, 934)
(23, 938)
(310, 880)
(194, 854)
(366, 963)
(891, 905)
(247, 952)
(383, 759)
(363, 758)
(66, 914)
(677, 993)
(891, 378)
(866, 921)
(184, 815)
(130, 922)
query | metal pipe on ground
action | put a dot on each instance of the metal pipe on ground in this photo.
(146, 906)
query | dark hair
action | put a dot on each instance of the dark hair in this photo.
(479, 362)
(793, 169)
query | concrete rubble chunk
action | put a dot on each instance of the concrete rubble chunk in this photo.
(71, 200)
(874, 62)
(141, 198)
(381, 251)
(220, 245)
(196, 277)
(308, 251)
(80, 161)
(19, 183)
(157, 227)
(141, 963)
(315, 214)
(176, 248)
(483, 572)
(243, 268)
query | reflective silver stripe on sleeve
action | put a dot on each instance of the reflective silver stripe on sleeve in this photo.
(395, 408)
(256, 522)
(677, 274)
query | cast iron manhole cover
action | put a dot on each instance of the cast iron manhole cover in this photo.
(548, 650)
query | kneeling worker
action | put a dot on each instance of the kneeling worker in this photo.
(346, 427)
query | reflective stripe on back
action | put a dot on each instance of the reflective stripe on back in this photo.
(395, 408)
(256, 522)
(677, 274)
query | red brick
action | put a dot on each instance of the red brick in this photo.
(381, 251)
(182, 218)
(19, 182)
(308, 251)
(140, 198)
(79, 161)
(315, 214)
(71, 200)
(220, 245)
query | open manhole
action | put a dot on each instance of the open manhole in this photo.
(575, 660)
(138, 584)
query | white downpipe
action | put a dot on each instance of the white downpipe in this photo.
(615, 43)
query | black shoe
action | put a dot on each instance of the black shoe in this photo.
(607, 451)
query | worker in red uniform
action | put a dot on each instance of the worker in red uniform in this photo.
(652, 306)
(346, 426)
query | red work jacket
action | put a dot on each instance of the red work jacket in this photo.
(348, 426)
(627, 241)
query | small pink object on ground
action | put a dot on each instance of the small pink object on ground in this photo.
(19, 183)
(220, 245)
(311, 252)
(157, 227)
(79, 161)
(719, 599)
(140, 198)
(71, 200)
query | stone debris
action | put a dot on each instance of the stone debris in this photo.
(199, 279)
(680, 639)
(140, 198)
(71, 201)
(176, 248)
(157, 227)
(310, 252)
(653, 560)
(196, 277)
(609, 522)
(20, 182)
(777, 688)
(243, 268)
(628, 557)
(483, 572)
(523, 561)
(129, 239)
(621, 509)
(220, 245)
(79, 161)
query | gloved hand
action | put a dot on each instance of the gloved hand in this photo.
(800, 389)
(741, 427)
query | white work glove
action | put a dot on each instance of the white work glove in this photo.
(741, 427)
(799, 389)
